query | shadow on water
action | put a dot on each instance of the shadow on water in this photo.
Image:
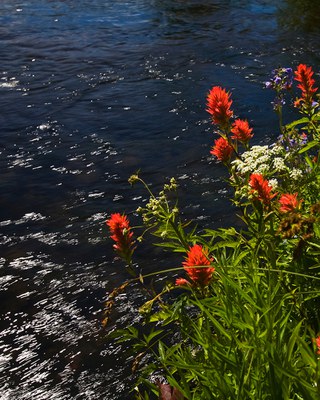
(191, 8)
(300, 15)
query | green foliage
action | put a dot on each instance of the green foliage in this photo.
(250, 330)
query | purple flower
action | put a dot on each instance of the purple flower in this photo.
(293, 142)
(281, 81)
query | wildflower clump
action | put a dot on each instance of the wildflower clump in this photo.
(289, 202)
(317, 342)
(122, 235)
(231, 132)
(241, 131)
(222, 150)
(239, 317)
(261, 189)
(197, 266)
(281, 82)
(304, 75)
(219, 106)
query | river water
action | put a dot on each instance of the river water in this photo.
(90, 92)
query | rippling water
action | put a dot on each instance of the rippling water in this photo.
(90, 92)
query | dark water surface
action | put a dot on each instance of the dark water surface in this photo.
(90, 92)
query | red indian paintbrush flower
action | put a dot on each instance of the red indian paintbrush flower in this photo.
(317, 342)
(218, 105)
(261, 188)
(289, 202)
(241, 131)
(303, 75)
(121, 233)
(222, 149)
(198, 257)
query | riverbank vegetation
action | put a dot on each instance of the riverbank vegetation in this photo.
(239, 316)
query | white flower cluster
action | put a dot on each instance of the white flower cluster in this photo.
(296, 174)
(268, 161)
(261, 160)
(273, 183)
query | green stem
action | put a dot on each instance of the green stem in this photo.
(181, 239)
(279, 112)
(146, 186)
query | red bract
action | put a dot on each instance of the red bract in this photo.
(241, 130)
(222, 149)
(289, 202)
(303, 75)
(182, 282)
(198, 257)
(121, 233)
(261, 188)
(218, 105)
(317, 341)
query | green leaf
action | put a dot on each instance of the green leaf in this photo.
(309, 146)
(215, 322)
(231, 244)
(308, 161)
(300, 121)
(293, 341)
(291, 373)
(171, 245)
(161, 316)
(161, 350)
(152, 335)
(147, 306)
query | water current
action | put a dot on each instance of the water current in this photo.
(90, 92)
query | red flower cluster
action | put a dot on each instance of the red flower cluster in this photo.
(222, 149)
(219, 103)
(289, 202)
(197, 257)
(303, 75)
(121, 233)
(241, 131)
(317, 342)
(219, 106)
(261, 188)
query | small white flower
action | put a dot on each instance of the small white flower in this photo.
(277, 150)
(264, 158)
(296, 174)
(261, 169)
(278, 164)
(274, 183)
